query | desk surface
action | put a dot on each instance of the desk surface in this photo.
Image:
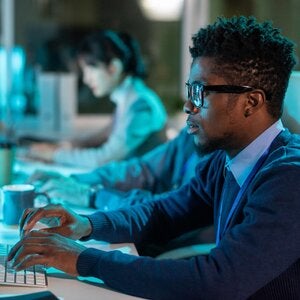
(63, 285)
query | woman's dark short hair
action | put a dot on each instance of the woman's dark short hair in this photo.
(249, 53)
(105, 45)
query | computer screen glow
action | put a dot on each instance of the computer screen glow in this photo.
(12, 78)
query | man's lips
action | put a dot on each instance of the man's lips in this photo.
(192, 127)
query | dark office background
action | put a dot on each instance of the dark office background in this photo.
(50, 29)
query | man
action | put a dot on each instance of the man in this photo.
(124, 183)
(248, 185)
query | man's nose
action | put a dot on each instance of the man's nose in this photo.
(189, 108)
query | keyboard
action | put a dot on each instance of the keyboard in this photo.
(35, 276)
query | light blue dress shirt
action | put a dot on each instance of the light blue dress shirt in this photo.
(242, 164)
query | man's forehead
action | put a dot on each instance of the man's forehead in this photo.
(203, 70)
(197, 70)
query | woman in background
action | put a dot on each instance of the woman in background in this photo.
(112, 65)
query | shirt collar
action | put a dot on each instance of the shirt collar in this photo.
(119, 94)
(242, 164)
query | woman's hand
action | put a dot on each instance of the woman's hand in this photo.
(42, 151)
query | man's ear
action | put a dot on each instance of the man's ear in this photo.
(115, 67)
(255, 101)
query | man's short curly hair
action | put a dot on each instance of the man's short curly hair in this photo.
(249, 53)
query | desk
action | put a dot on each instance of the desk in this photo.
(63, 285)
(82, 126)
(24, 167)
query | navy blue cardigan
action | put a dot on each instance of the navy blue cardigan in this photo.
(258, 256)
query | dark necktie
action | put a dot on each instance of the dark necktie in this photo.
(229, 193)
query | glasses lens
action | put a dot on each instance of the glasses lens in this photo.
(196, 96)
(194, 93)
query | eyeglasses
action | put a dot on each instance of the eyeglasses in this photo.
(195, 91)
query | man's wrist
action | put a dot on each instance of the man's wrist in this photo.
(88, 228)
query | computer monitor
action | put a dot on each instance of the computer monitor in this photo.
(12, 66)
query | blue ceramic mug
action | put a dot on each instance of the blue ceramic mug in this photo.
(16, 198)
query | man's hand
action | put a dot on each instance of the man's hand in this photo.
(61, 221)
(61, 189)
(49, 249)
(66, 190)
(39, 177)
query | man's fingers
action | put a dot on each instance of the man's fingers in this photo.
(32, 216)
(24, 217)
(34, 236)
(31, 260)
(27, 251)
(13, 251)
(58, 230)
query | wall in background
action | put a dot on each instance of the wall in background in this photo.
(48, 29)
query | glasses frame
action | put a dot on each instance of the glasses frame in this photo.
(196, 90)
